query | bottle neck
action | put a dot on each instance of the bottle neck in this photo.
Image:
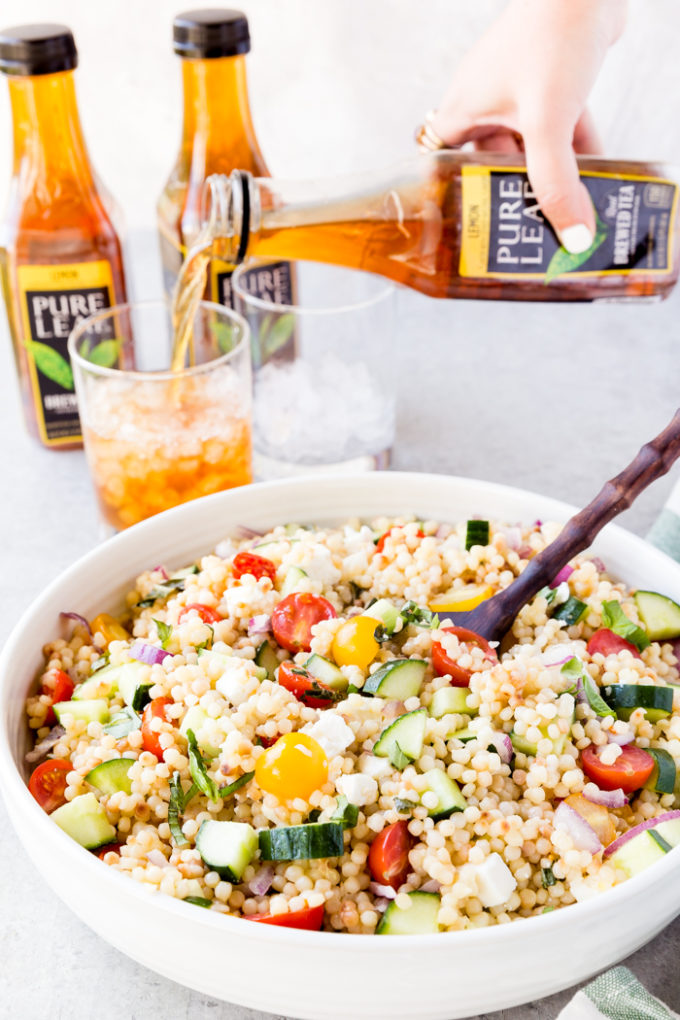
(48, 138)
(217, 119)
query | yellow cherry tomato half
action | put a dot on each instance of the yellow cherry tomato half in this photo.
(461, 599)
(109, 628)
(354, 643)
(295, 766)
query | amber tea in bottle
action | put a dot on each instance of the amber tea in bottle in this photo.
(60, 256)
(460, 225)
(217, 136)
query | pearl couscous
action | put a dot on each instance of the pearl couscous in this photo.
(287, 732)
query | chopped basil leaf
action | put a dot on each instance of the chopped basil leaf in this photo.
(614, 618)
(100, 663)
(380, 634)
(162, 591)
(352, 689)
(198, 770)
(411, 612)
(548, 594)
(398, 758)
(547, 910)
(547, 877)
(204, 645)
(198, 901)
(595, 700)
(164, 632)
(175, 808)
(314, 815)
(122, 723)
(574, 668)
(404, 807)
(346, 813)
(228, 791)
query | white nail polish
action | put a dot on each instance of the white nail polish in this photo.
(576, 239)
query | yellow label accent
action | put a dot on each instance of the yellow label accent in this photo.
(474, 250)
(53, 279)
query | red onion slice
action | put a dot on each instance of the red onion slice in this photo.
(432, 885)
(564, 575)
(157, 858)
(513, 537)
(598, 564)
(143, 652)
(78, 619)
(557, 655)
(162, 571)
(385, 891)
(503, 745)
(260, 624)
(243, 531)
(43, 748)
(621, 738)
(651, 823)
(676, 648)
(583, 835)
(581, 696)
(261, 882)
(608, 798)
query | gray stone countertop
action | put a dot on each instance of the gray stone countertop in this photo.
(550, 398)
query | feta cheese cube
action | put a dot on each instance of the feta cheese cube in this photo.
(358, 789)
(377, 768)
(238, 681)
(332, 732)
(495, 882)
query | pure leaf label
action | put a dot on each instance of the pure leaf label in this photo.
(53, 299)
(564, 261)
(505, 235)
(51, 364)
(279, 334)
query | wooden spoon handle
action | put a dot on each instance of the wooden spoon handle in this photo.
(653, 460)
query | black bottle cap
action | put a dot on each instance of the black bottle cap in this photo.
(212, 32)
(37, 49)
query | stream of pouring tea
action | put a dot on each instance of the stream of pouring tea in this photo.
(187, 296)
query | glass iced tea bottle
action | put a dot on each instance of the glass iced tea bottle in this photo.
(217, 136)
(459, 225)
(60, 256)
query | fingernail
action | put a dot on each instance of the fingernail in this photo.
(576, 239)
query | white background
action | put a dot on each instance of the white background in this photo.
(336, 85)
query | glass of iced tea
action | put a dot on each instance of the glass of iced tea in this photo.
(153, 437)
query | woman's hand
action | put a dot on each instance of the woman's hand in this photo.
(524, 85)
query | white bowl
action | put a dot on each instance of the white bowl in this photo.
(321, 976)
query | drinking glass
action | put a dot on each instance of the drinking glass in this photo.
(323, 368)
(153, 437)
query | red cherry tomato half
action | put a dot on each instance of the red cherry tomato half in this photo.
(154, 710)
(606, 642)
(48, 783)
(309, 918)
(444, 665)
(108, 848)
(267, 741)
(388, 857)
(629, 772)
(380, 544)
(206, 613)
(59, 687)
(251, 563)
(294, 617)
(306, 688)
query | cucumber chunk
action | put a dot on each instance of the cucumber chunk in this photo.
(625, 698)
(523, 745)
(195, 719)
(295, 576)
(84, 820)
(663, 777)
(227, 847)
(464, 735)
(267, 659)
(327, 672)
(419, 919)
(384, 611)
(91, 711)
(450, 701)
(399, 679)
(302, 842)
(406, 733)
(638, 853)
(571, 611)
(101, 684)
(659, 614)
(111, 776)
(133, 675)
(476, 533)
(448, 793)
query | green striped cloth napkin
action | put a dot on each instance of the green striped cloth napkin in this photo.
(665, 532)
(615, 995)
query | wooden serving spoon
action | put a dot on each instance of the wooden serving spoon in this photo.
(493, 618)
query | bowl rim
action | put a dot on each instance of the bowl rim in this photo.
(76, 857)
